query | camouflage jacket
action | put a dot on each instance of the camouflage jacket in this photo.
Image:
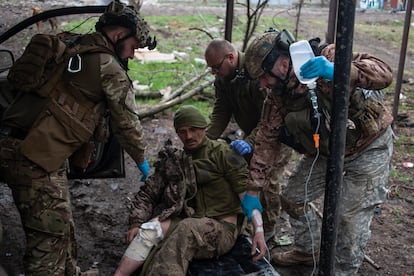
(76, 100)
(367, 72)
(238, 98)
(204, 183)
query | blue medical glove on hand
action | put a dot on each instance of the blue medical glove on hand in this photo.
(144, 167)
(241, 146)
(318, 67)
(249, 203)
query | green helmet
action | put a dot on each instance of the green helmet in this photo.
(263, 52)
(118, 14)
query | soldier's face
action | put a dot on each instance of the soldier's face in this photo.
(127, 48)
(273, 78)
(191, 137)
(222, 66)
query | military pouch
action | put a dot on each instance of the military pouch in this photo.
(366, 111)
(55, 136)
(301, 126)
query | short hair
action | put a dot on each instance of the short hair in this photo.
(220, 46)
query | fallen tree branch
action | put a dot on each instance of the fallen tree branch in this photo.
(184, 86)
(162, 106)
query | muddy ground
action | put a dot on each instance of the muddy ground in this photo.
(99, 206)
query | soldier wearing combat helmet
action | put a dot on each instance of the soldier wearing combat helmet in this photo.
(289, 118)
(66, 84)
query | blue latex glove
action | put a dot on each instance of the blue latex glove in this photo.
(241, 146)
(144, 167)
(249, 203)
(317, 67)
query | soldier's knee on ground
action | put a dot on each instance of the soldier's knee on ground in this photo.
(293, 209)
(150, 234)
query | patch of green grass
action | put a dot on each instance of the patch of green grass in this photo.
(401, 177)
(161, 75)
(397, 215)
(393, 173)
(389, 31)
(404, 107)
(405, 178)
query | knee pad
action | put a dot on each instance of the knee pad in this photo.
(150, 234)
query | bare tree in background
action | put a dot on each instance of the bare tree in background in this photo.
(253, 16)
(137, 4)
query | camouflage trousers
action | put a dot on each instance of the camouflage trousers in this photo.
(43, 201)
(364, 187)
(269, 197)
(192, 238)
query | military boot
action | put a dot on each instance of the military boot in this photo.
(294, 257)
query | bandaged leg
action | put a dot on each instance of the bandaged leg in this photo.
(150, 234)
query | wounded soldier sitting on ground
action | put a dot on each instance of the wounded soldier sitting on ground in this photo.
(190, 207)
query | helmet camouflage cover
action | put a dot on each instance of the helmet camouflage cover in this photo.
(267, 47)
(118, 14)
(257, 52)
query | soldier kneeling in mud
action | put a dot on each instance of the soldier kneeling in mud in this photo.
(190, 207)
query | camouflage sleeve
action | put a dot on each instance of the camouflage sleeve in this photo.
(142, 206)
(260, 96)
(121, 103)
(220, 117)
(267, 146)
(367, 71)
(251, 138)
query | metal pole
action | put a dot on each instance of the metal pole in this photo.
(403, 52)
(334, 175)
(229, 20)
(333, 12)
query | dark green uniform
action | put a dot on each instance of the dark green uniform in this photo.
(241, 99)
(203, 187)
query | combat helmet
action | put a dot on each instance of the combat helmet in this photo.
(262, 53)
(118, 14)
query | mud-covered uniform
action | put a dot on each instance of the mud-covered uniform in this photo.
(367, 160)
(243, 99)
(39, 133)
(194, 189)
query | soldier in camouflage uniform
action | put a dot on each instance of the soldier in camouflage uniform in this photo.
(242, 98)
(40, 130)
(190, 207)
(288, 118)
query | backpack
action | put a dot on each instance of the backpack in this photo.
(44, 60)
(59, 108)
